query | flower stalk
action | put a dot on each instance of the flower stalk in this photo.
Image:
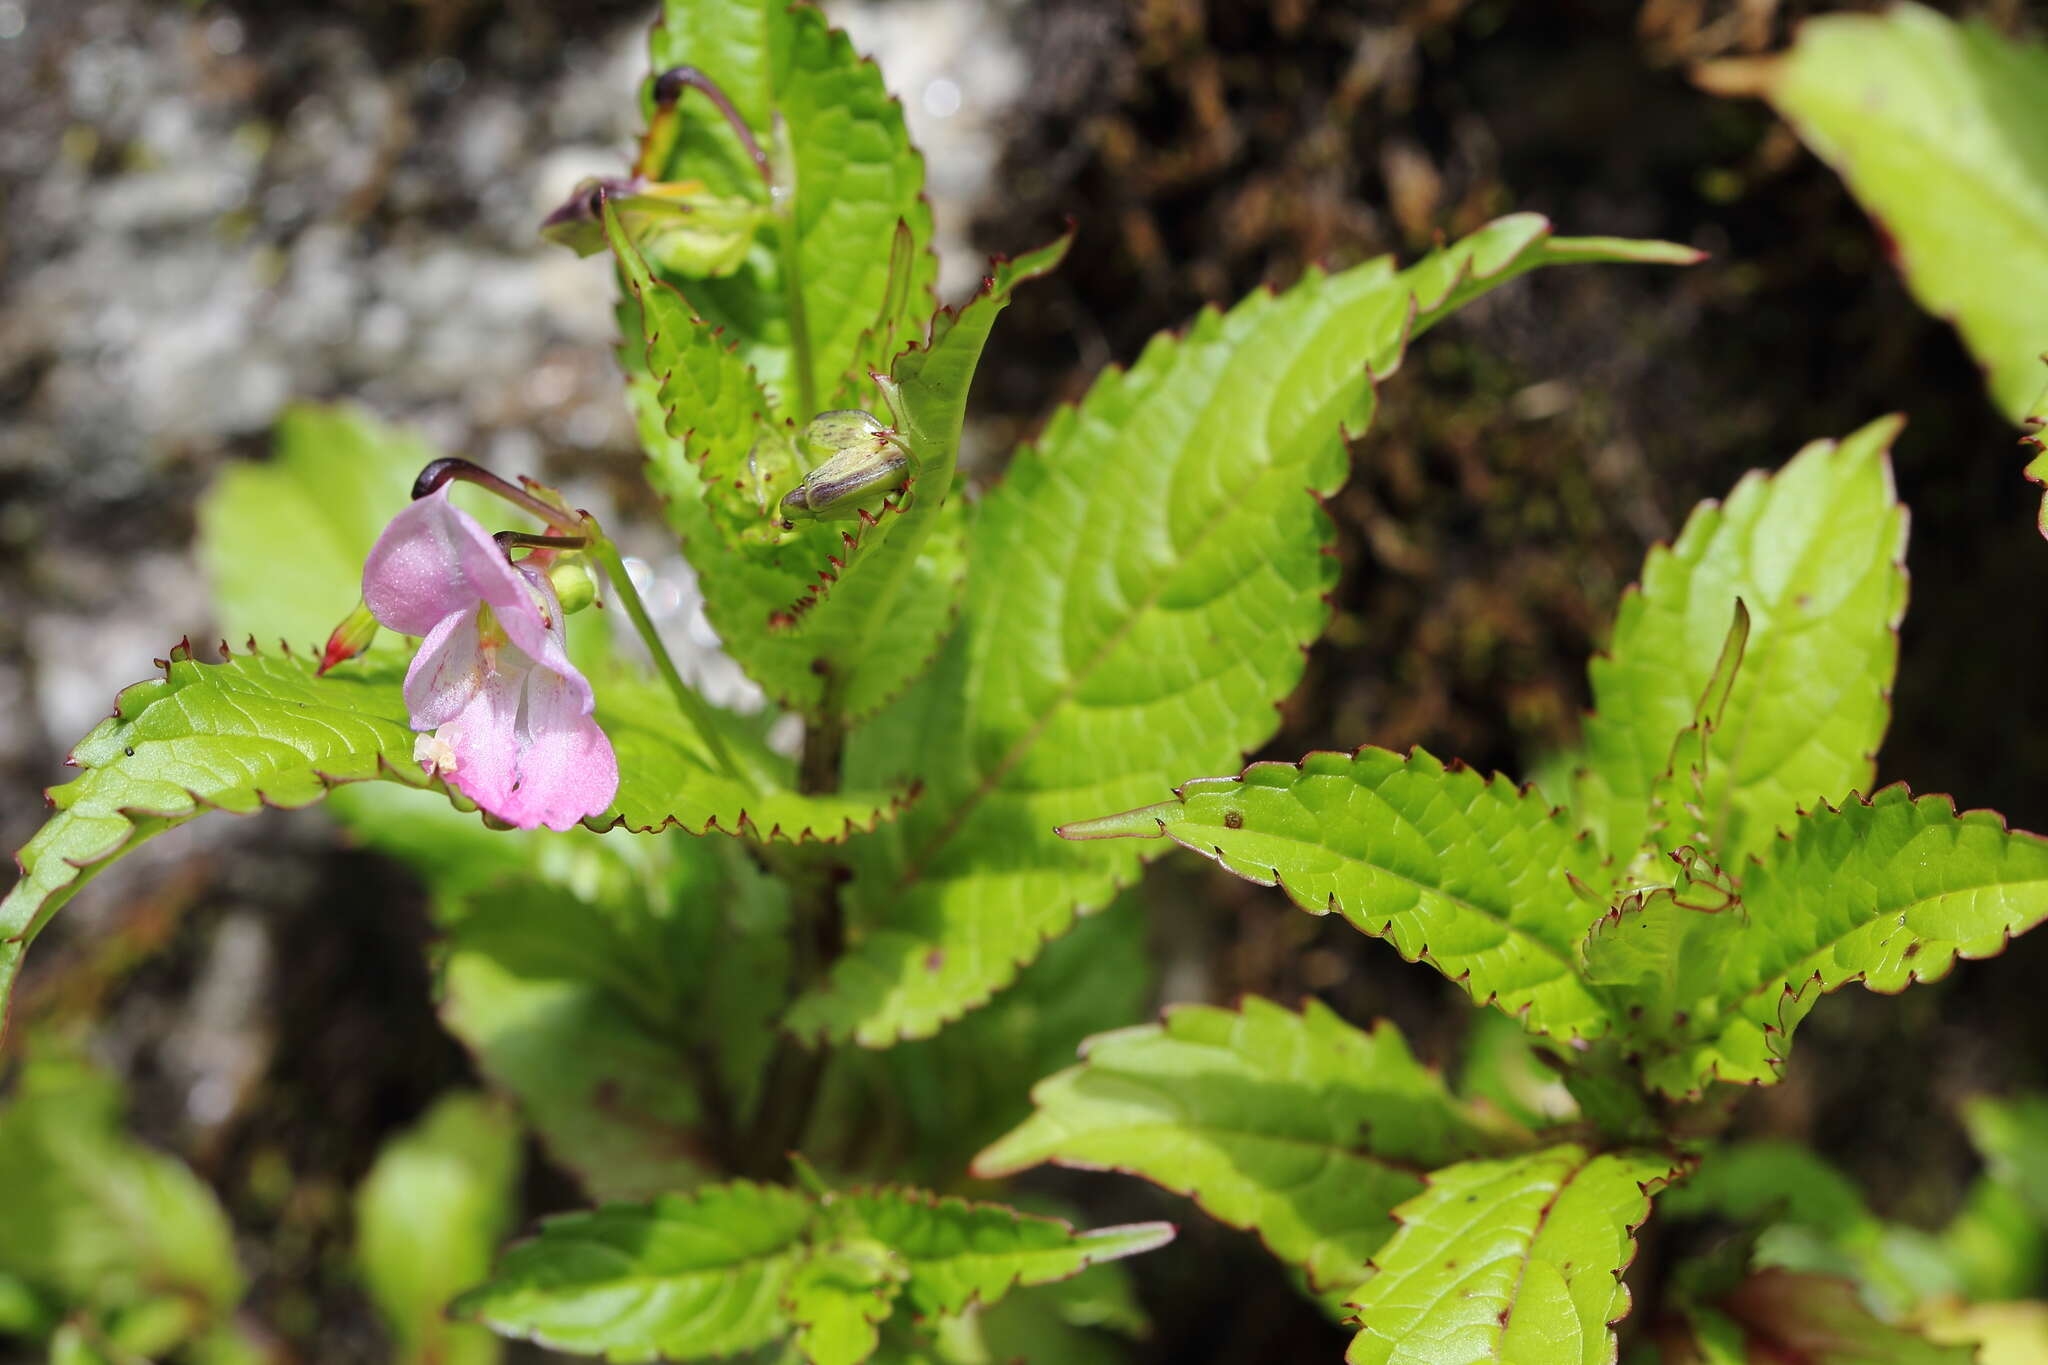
(694, 708)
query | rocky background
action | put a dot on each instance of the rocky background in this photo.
(211, 209)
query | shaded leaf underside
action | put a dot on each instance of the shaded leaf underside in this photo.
(1937, 128)
(1298, 1127)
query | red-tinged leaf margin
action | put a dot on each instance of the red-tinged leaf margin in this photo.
(1797, 998)
(1159, 1230)
(898, 801)
(2036, 471)
(1539, 249)
(998, 283)
(1129, 825)
(1199, 1197)
(139, 821)
(851, 542)
(1682, 1165)
(1661, 560)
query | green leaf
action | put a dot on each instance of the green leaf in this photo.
(685, 1276)
(722, 473)
(1889, 891)
(1140, 586)
(1659, 949)
(740, 1265)
(1749, 1181)
(829, 620)
(1517, 1259)
(1821, 1319)
(1806, 1216)
(90, 1218)
(1936, 126)
(1468, 873)
(1070, 1322)
(667, 777)
(962, 1089)
(838, 1300)
(2012, 1137)
(429, 1215)
(1816, 554)
(849, 176)
(1662, 953)
(958, 1253)
(254, 730)
(1298, 1127)
(284, 542)
(1506, 1068)
(2003, 1333)
(728, 459)
(1995, 1247)
(609, 985)
(875, 620)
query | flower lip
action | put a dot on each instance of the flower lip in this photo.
(435, 560)
(510, 716)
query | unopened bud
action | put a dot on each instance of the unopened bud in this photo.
(574, 584)
(350, 638)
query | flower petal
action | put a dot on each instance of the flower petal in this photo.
(525, 750)
(483, 740)
(533, 621)
(567, 769)
(447, 671)
(434, 559)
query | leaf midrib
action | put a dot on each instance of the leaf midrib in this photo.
(1771, 642)
(1498, 917)
(1780, 975)
(1584, 1164)
(1226, 508)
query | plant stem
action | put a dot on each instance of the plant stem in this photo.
(824, 743)
(795, 1070)
(779, 176)
(791, 252)
(694, 708)
(817, 937)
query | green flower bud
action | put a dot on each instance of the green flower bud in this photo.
(350, 638)
(574, 584)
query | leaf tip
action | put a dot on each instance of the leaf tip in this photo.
(1146, 822)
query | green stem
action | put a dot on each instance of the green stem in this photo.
(795, 1071)
(694, 708)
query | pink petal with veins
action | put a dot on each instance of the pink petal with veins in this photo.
(510, 714)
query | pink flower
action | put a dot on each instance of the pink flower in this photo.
(509, 714)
